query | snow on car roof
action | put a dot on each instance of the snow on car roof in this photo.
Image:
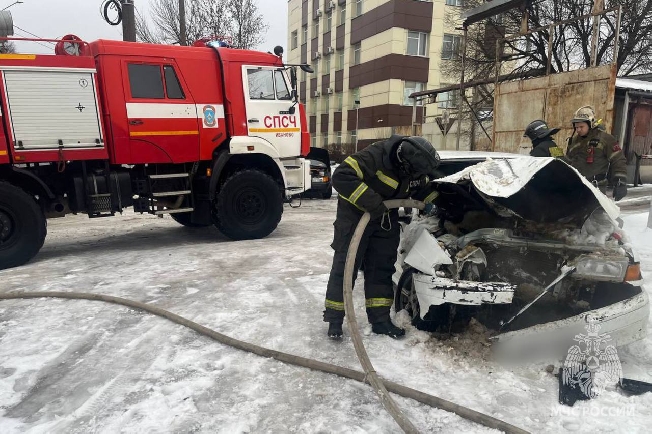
(475, 155)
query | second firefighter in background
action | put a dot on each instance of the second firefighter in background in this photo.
(596, 154)
(397, 168)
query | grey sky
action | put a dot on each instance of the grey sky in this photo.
(55, 18)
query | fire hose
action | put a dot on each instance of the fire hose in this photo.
(369, 376)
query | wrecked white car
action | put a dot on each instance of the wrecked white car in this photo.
(505, 231)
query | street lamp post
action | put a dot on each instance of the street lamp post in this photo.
(357, 117)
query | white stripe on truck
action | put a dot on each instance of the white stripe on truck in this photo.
(154, 110)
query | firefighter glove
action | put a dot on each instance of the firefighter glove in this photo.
(620, 189)
(429, 210)
(378, 212)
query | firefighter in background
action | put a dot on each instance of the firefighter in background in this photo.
(543, 145)
(596, 154)
(397, 168)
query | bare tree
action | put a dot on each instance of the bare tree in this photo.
(248, 22)
(570, 42)
(240, 20)
(166, 20)
(215, 18)
(570, 50)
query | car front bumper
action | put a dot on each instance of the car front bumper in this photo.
(623, 322)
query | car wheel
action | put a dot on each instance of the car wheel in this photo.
(406, 298)
(328, 193)
(22, 226)
(184, 220)
(249, 205)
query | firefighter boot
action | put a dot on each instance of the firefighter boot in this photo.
(335, 330)
(387, 328)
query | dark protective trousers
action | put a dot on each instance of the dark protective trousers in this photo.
(378, 250)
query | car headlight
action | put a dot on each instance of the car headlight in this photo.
(601, 269)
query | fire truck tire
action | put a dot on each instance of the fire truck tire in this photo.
(249, 205)
(22, 226)
(184, 220)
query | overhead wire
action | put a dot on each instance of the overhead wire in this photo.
(36, 42)
(32, 34)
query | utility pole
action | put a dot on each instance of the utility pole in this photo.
(182, 22)
(598, 6)
(128, 21)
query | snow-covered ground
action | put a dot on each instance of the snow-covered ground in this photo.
(82, 366)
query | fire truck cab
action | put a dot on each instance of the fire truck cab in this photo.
(207, 134)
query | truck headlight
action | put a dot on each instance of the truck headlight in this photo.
(601, 269)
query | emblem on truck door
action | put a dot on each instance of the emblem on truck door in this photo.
(209, 116)
(80, 108)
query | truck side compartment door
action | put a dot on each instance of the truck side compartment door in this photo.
(161, 114)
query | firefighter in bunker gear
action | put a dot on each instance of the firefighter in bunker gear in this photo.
(596, 154)
(397, 168)
(543, 144)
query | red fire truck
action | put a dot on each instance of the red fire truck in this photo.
(207, 134)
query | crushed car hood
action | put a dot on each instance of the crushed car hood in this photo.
(544, 190)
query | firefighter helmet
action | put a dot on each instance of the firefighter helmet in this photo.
(417, 157)
(539, 129)
(585, 114)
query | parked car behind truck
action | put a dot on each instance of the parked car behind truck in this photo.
(320, 174)
(210, 135)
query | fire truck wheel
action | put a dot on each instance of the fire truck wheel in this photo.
(184, 220)
(249, 205)
(22, 226)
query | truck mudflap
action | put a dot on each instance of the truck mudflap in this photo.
(624, 322)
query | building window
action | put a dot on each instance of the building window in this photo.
(342, 15)
(358, 8)
(146, 81)
(325, 141)
(355, 101)
(340, 101)
(338, 140)
(315, 33)
(313, 141)
(410, 88)
(354, 136)
(451, 48)
(315, 67)
(448, 100)
(454, 2)
(294, 40)
(417, 43)
(305, 35)
(356, 54)
(326, 105)
(329, 21)
(340, 59)
(328, 65)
